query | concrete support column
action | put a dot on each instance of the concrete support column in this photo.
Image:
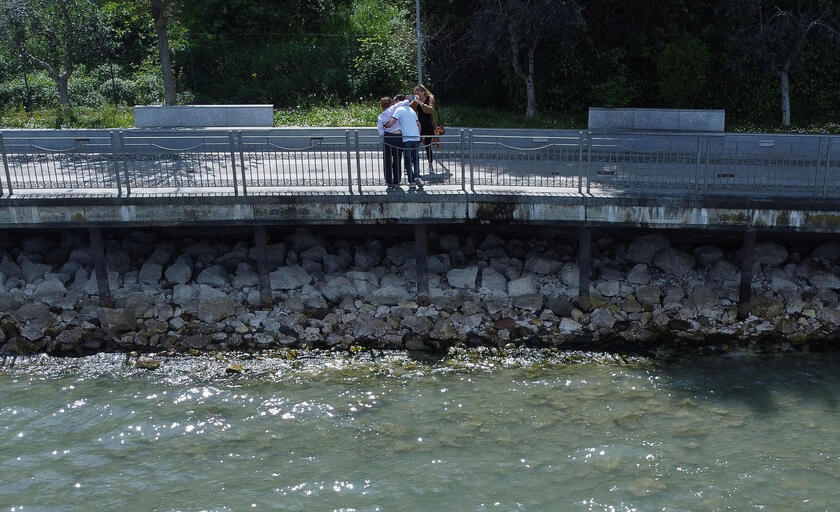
(585, 265)
(421, 253)
(745, 288)
(260, 241)
(97, 251)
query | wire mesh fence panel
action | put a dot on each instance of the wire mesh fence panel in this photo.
(828, 182)
(444, 169)
(187, 161)
(294, 161)
(642, 163)
(526, 161)
(790, 174)
(61, 163)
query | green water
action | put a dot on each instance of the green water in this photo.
(505, 433)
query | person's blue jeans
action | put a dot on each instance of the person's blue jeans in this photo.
(411, 158)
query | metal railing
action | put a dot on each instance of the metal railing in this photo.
(243, 163)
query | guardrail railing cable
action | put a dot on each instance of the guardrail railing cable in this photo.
(245, 162)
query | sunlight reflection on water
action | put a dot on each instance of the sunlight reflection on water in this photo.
(520, 431)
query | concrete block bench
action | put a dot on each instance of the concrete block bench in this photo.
(664, 119)
(201, 116)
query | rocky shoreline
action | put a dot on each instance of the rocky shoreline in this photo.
(649, 295)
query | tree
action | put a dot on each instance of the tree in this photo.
(55, 35)
(161, 12)
(776, 33)
(515, 28)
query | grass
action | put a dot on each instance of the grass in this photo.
(107, 116)
(353, 114)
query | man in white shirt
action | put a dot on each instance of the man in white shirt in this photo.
(410, 127)
(392, 139)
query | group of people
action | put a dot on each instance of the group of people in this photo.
(406, 123)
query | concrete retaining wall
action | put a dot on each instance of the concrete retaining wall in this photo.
(150, 116)
(656, 119)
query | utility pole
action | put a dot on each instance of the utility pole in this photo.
(419, 45)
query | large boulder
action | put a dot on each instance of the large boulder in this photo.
(333, 264)
(389, 296)
(824, 280)
(214, 305)
(289, 278)
(491, 241)
(183, 294)
(525, 285)
(703, 297)
(215, 275)
(639, 274)
(365, 282)
(570, 275)
(493, 282)
(116, 321)
(365, 259)
(608, 288)
(462, 277)
(337, 288)
(724, 272)
(34, 271)
(400, 254)
(645, 248)
(769, 254)
(150, 273)
(648, 294)
(34, 318)
(602, 318)
(829, 251)
(674, 261)
(707, 255)
(543, 266)
(48, 291)
(302, 240)
(180, 272)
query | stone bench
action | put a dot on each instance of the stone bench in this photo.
(202, 116)
(664, 119)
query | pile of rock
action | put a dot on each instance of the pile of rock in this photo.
(335, 292)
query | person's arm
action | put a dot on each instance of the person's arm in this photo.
(430, 107)
(391, 122)
(380, 126)
(418, 125)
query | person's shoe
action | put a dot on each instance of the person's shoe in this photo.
(419, 182)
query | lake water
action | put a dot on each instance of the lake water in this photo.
(527, 431)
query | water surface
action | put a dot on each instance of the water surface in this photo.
(493, 433)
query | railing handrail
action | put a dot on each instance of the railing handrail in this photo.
(694, 163)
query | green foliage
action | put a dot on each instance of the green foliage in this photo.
(683, 67)
(42, 92)
(68, 117)
(616, 90)
(382, 64)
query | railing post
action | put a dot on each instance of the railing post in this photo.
(358, 161)
(472, 154)
(463, 160)
(817, 168)
(697, 169)
(827, 162)
(125, 164)
(242, 163)
(580, 162)
(588, 162)
(349, 161)
(5, 166)
(116, 162)
(706, 166)
(233, 162)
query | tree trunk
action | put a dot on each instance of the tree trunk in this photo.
(785, 86)
(166, 66)
(161, 23)
(530, 88)
(61, 81)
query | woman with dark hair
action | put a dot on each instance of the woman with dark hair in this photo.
(424, 105)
